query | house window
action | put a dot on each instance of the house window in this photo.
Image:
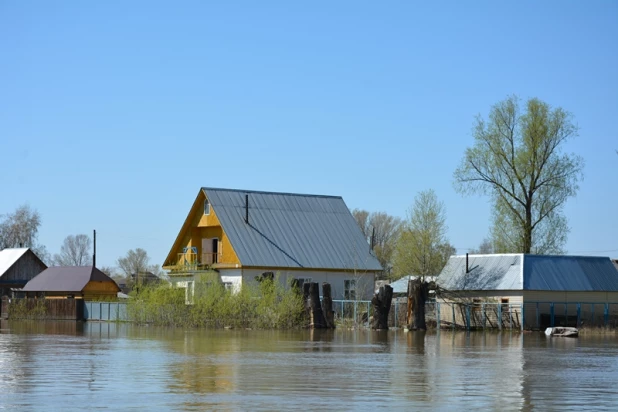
(206, 207)
(349, 289)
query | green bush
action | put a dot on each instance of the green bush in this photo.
(267, 305)
(22, 309)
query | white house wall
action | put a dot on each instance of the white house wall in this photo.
(364, 282)
(233, 277)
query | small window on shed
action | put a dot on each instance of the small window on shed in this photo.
(206, 207)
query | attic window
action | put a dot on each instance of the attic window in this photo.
(206, 207)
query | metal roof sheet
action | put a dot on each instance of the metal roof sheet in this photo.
(401, 285)
(574, 273)
(8, 257)
(485, 272)
(292, 230)
(65, 279)
(529, 272)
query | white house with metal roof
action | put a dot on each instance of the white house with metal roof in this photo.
(242, 234)
(538, 282)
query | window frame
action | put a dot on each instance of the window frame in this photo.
(349, 289)
(206, 206)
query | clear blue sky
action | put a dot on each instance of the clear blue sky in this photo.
(113, 114)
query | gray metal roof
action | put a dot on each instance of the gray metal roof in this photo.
(292, 230)
(65, 279)
(401, 285)
(529, 272)
(485, 272)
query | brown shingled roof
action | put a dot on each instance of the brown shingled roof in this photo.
(65, 279)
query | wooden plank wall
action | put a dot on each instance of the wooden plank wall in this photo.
(55, 309)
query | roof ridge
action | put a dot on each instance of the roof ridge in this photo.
(270, 193)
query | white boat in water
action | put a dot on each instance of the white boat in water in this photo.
(562, 331)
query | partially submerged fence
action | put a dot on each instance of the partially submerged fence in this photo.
(107, 311)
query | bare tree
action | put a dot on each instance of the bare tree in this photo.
(517, 158)
(136, 264)
(75, 251)
(21, 229)
(485, 248)
(381, 231)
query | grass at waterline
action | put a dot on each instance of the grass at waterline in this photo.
(27, 309)
(267, 305)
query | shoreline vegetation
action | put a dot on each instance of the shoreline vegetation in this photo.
(266, 305)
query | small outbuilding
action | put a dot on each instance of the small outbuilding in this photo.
(78, 282)
(533, 288)
(17, 267)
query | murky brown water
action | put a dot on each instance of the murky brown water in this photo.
(69, 366)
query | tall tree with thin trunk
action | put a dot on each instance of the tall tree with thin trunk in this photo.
(75, 251)
(423, 248)
(518, 159)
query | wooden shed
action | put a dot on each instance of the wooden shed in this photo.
(17, 267)
(79, 282)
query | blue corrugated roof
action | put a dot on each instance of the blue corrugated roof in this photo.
(529, 272)
(581, 273)
(292, 230)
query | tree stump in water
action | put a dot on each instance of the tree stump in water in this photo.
(381, 304)
(327, 306)
(306, 300)
(418, 292)
(316, 315)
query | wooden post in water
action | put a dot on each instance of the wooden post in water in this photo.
(306, 300)
(327, 306)
(418, 291)
(381, 304)
(317, 317)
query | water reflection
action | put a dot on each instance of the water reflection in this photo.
(120, 366)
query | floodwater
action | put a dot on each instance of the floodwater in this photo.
(77, 366)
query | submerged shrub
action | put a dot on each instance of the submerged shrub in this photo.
(267, 305)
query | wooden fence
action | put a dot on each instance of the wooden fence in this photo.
(43, 309)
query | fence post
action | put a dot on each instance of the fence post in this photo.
(579, 314)
(592, 312)
(606, 314)
(500, 317)
(523, 321)
(467, 317)
(538, 322)
(551, 314)
(453, 308)
(510, 316)
(396, 311)
(438, 315)
(566, 314)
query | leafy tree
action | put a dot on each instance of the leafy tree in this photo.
(75, 251)
(517, 158)
(423, 248)
(21, 229)
(382, 231)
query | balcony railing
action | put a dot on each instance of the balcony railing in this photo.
(191, 260)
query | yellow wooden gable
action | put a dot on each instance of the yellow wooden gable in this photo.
(201, 243)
